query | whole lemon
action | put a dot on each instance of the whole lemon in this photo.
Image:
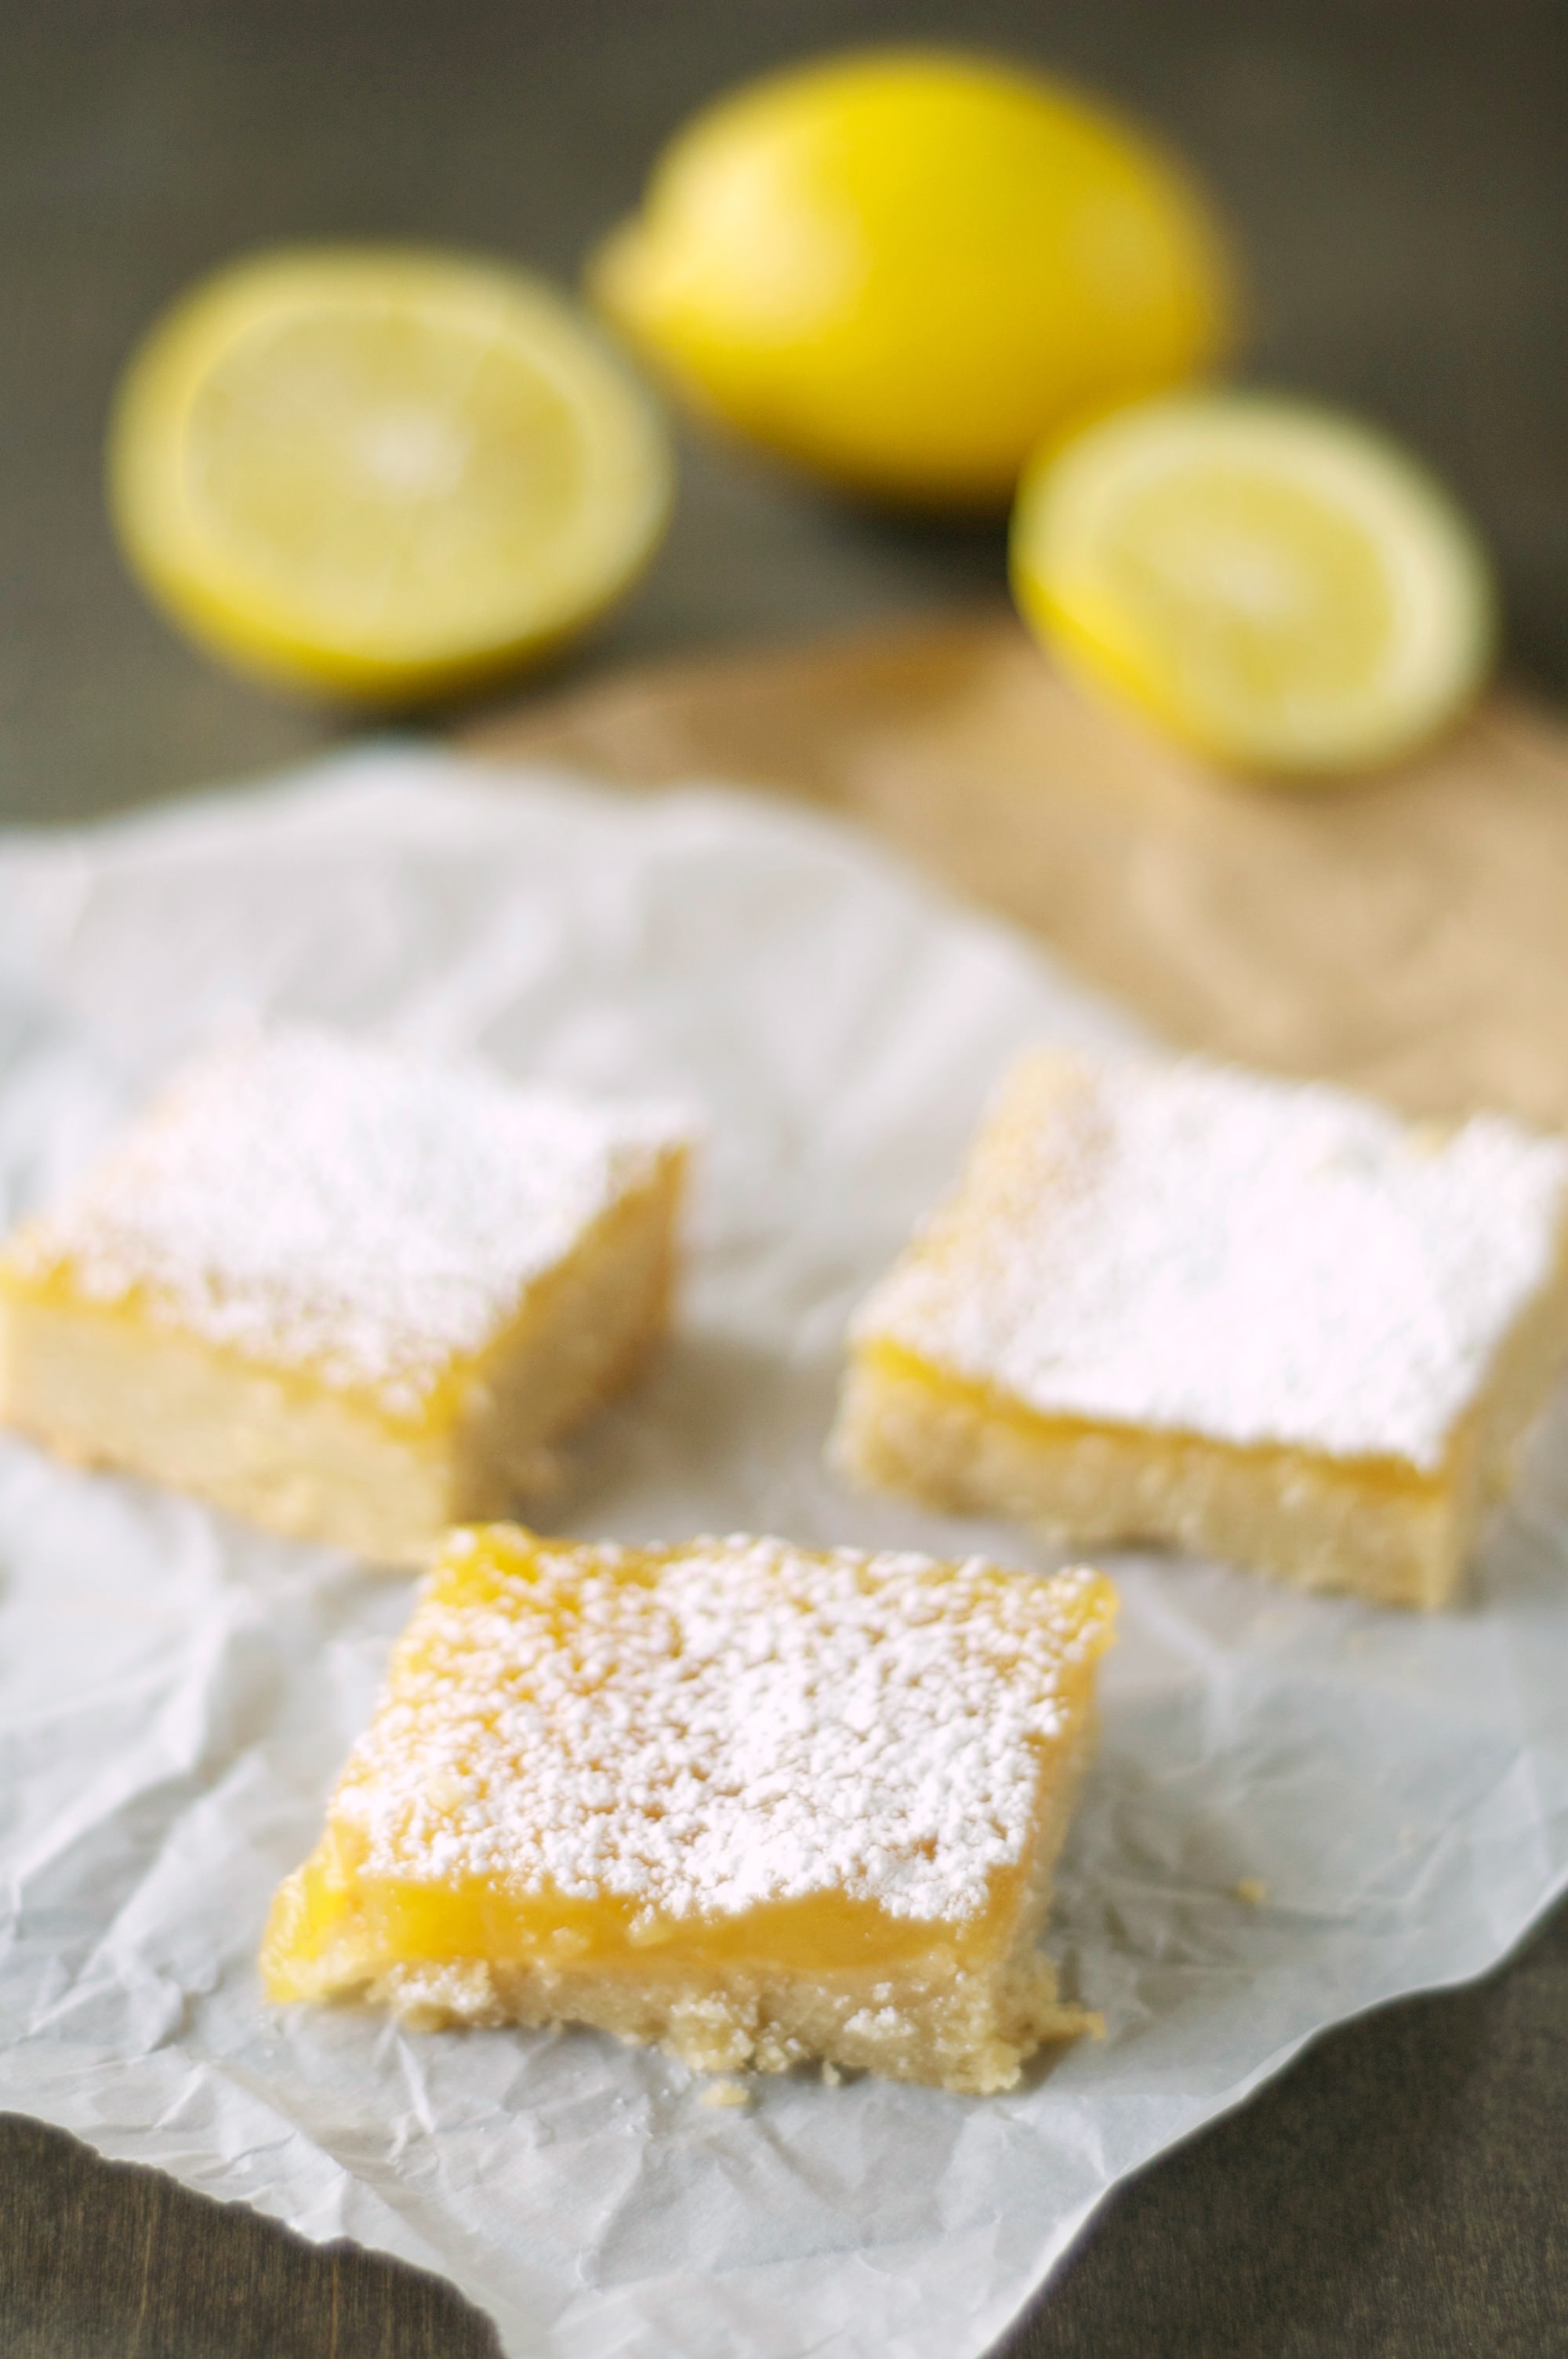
(905, 267)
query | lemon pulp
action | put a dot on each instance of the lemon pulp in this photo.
(1273, 583)
(902, 267)
(382, 471)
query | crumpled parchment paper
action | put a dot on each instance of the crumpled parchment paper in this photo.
(1300, 1807)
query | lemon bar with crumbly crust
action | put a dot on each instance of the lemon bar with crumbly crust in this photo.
(349, 1296)
(1263, 1320)
(751, 1801)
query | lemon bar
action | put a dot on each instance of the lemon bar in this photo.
(756, 1803)
(352, 1297)
(1261, 1321)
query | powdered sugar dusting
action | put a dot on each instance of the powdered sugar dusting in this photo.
(309, 1200)
(1179, 1245)
(699, 1729)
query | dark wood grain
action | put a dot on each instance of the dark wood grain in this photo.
(106, 2261)
(1396, 171)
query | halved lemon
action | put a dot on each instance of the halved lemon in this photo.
(1273, 584)
(386, 472)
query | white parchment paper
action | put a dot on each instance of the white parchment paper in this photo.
(175, 1693)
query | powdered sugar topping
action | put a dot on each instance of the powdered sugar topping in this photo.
(311, 1200)
(701, 1730)
(1184, 1246)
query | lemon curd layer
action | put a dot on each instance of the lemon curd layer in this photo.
(1259, 1321)
(339, 1916)
(1275, 1463)
(349, 1295)
(754, 1802)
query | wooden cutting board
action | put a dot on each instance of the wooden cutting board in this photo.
(1406, 934)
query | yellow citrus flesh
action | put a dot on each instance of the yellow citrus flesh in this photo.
(1273, 584)
(903, 268)
(385, 471)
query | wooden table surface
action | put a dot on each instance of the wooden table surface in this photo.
(1396, 171)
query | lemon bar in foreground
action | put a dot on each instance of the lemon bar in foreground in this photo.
(1263, 1320)
(756, 1803)
(348, 1295)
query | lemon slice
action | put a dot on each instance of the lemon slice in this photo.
(1275, 586)
(382, 471)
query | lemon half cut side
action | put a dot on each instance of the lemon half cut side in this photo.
(1273, 583)
(385, 471)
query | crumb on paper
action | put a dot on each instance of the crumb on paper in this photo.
(1251, 1889)
(830, 2072)
(726, 2092)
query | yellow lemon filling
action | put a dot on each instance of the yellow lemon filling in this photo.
(335, 1924)
(1034, 1429)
